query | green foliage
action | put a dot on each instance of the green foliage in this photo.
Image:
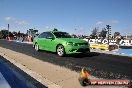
(95, 31)
(103, 33)
(0, 34)
(55, 29)
(116, 34)
(10, 34)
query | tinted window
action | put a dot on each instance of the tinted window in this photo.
(45, 35)
(62, 35)
(42, 35)
(49, 35)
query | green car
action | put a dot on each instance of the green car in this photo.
(60, 42)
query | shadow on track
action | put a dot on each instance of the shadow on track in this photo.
(79, 55)
(82, 55)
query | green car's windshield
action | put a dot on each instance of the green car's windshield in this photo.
(62, 35)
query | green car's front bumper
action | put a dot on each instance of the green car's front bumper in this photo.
(76, 49)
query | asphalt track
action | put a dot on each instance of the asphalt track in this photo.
(98, 64)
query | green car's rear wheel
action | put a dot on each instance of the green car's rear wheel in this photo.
(36, 47)
(60, 50)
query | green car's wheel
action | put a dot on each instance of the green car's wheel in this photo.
(36, 47)
(60, 50)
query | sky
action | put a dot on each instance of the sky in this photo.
(73, 16)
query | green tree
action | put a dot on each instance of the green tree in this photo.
(103, 33)
(0, 34)
(95, 32)
(4, 33)
(55, 29)
(10, 34)
(116, 34)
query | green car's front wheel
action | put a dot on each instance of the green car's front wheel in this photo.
(60, 50)
(36, 47)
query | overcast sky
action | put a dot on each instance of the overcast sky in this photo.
(66, 15)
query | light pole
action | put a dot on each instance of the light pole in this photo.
(108, 27)
(8, 30)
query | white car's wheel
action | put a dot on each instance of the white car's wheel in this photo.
(60, 50)
(36, 47)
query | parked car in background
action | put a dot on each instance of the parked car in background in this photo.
(60, 42)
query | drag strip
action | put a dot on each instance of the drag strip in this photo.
(99, 65)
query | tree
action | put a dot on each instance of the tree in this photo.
(4, 33)
(116, 34)
(94, 32)
(18, 32)
(0, 34)
(10, 34)
(55, 29)
(103, 33)
(74, 36)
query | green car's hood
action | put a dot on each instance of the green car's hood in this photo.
(74, 40)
